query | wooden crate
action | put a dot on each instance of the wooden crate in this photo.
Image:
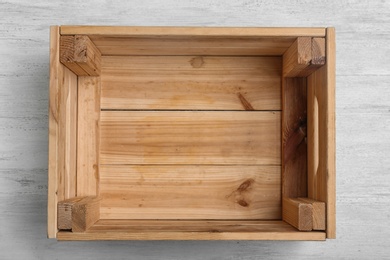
(174, 133)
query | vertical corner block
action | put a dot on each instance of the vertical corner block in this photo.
(80, 55)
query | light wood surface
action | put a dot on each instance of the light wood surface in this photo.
(298, 213)
(188, 31)
(56, 72)
(321, 85)
(190, 192)
(78, 214)
(319, 213)
(191, 82)
(88, 136)
(80, 55)
(62, 133)
(297, 57)
(190, 137)
(200, 45)
(363, 134)
(191, 230)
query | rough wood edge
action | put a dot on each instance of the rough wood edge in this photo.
(78, 214)
(80, 55)
(319, 213)
(318, 53)
(298, 214)
(331, 176)
(53, 133)
(297, 57)
(304, 56)
(193, 31)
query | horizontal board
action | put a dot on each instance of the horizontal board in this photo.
(126, 225)
(190, 137)
(190, 192)
(168, 31)
(191, 230)
(191, 82)
(192, 45)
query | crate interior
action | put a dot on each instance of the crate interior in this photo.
(188, 136)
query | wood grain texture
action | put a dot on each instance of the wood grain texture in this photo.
(56, 72)
(190, 137)
(62, 133)
(297, 58)
(88, 136)
(80, 55)
(298, 213)
(294, 148)
(190, 192)
(200, 45)
(321, 85)
(193, 230)
(319, 213)
(191, 31)
(191, 82)
(362, 110)
(78, 214)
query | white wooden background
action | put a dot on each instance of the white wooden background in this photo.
(363, 123)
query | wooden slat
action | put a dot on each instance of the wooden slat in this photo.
(78, 214)
(190, 192)
(191, 82)
(297, 213)
(62, 133)
(231, 46)
(193, 31)
(319, 216)
(294, 148)
(331, 139)
(68, 134)
(80, 55)
(56, 71)
(126, 225)
(322, 174)
(190, 137)
(88, 136)
(191, 230)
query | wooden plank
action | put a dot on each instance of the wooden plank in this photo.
(322, 173)
(298, 214)
(193, 31)
(297, 58)
(190, 192)
(331, 138)
(56, 71)
(78, 214)
(319, 216)
(190, 137)
(62, 131)
(80, 55)
(88, 136)
(191, 230)
(67, 152)
(228, 46)
(191, 82)
(294, 148)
